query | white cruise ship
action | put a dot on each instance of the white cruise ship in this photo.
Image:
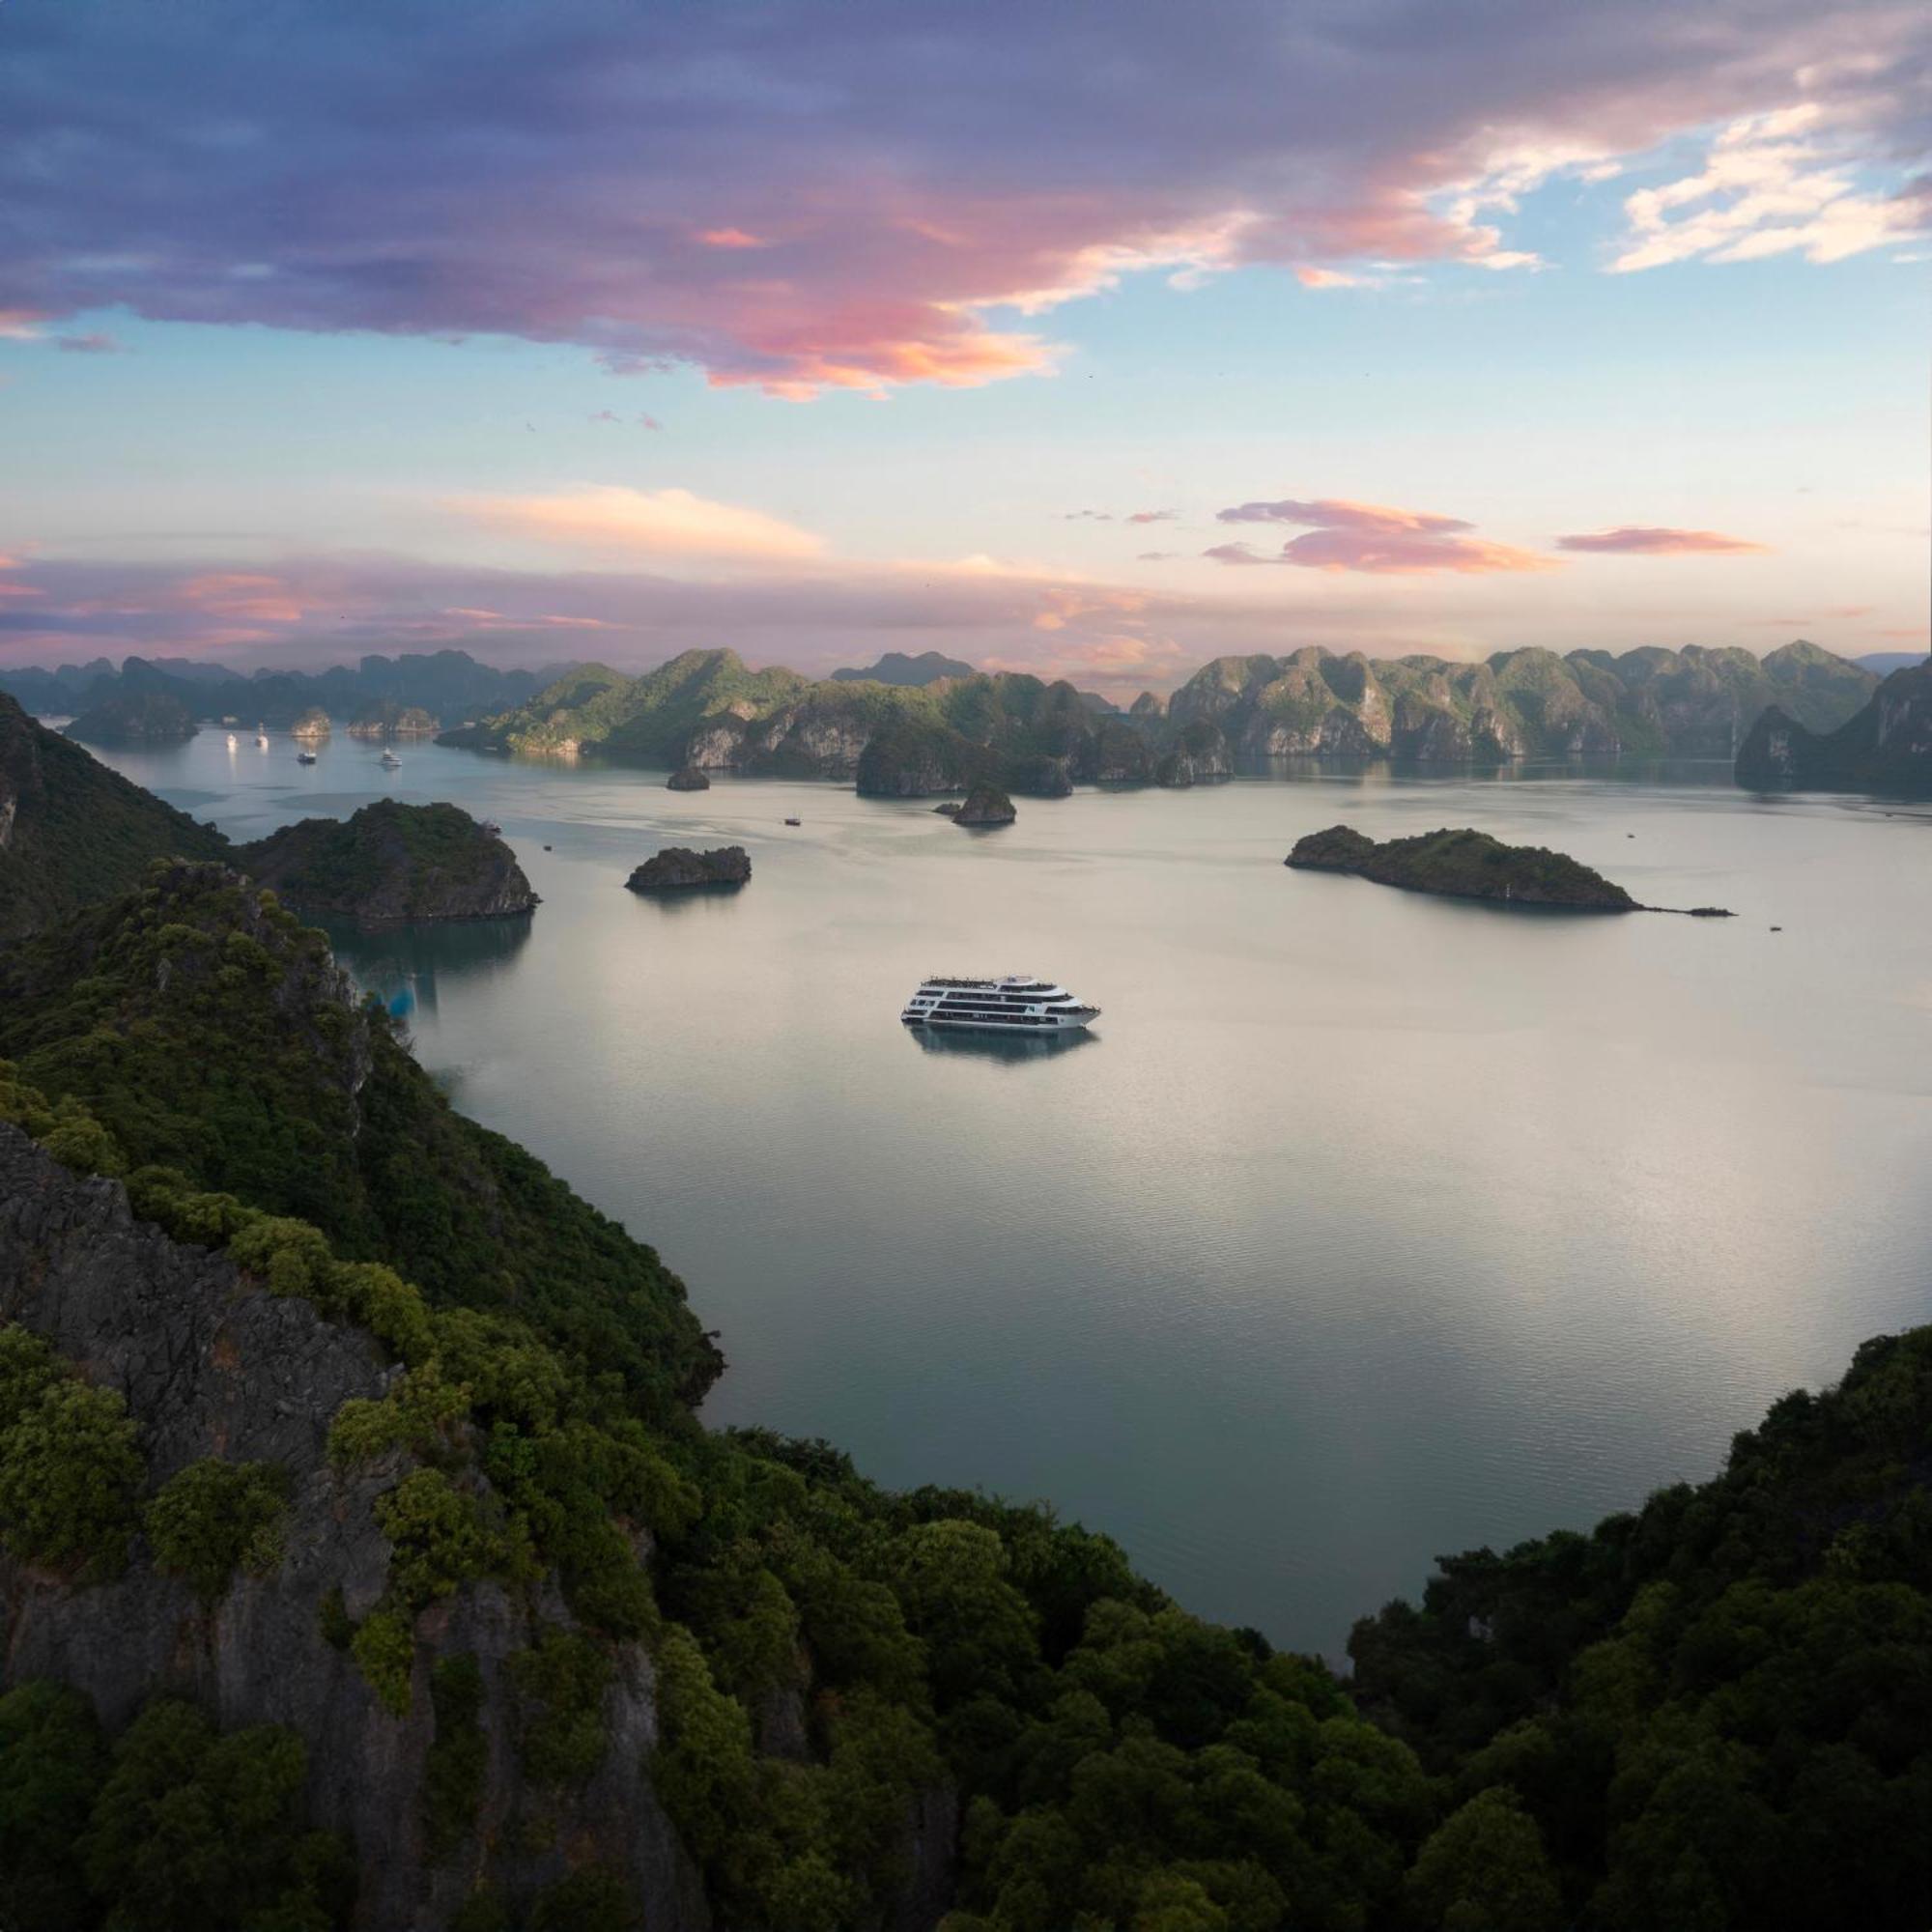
(1018, 1004)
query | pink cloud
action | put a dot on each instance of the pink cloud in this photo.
(1373, 538)
(729, 238)
(1637, 540)
(1153, 515)
(95, 344)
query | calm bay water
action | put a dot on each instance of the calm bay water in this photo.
(1366, 1226)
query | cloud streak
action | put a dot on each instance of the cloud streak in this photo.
(1373, 538)
(804, 198)
(673, 524)
(1644, 540)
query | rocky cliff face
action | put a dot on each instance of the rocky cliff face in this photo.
(1200, 757)
(1887, 748)
(212, 1364)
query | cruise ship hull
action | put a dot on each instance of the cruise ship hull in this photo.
(1033, 1024)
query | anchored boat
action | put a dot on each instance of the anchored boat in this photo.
(1017, 1004)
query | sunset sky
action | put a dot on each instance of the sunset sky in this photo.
(1093, 339)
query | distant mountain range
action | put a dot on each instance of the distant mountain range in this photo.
(450, 685)
(1885, 746)
(932, 723)
(708, 709)
(895, 667)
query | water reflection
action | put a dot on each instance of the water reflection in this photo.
(402, 965)
(1011, 1048)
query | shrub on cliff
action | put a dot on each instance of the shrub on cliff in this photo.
(70, 1468)
(215, 1518)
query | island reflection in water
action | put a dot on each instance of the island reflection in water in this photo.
(400, 965)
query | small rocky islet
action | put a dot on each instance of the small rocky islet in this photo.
(1465, 864)
(687, 777)
(984, 805)
(677, 868)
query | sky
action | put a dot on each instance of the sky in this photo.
(1095, 339)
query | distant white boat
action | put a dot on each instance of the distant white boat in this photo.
(390, 759)
(233, 741)
(261, 738)
(304, 757)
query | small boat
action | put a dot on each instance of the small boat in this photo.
(304, 757)
(1017, 1004)
(794, 821)
(389, 761)
(232, 741)
(260, 741)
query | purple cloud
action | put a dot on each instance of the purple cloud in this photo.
(95, 344)
(1649, 540)
(1373, 538)
(806, 197)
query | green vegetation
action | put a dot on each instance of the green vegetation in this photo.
(1716, 1712)
(561, 1681)
(390, 863)
(53, 1760)
(215, 1518)
(1463, 865)
(70, 1468)
(458, 1763)
(75, 831)
(178, 1829)
(208, 1033)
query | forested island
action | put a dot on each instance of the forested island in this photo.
(135, 717)
(678, 868)
(391, 863)
(365, 1563)
(1463, 865)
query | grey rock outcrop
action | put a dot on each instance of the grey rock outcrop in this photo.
(212, 1364)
